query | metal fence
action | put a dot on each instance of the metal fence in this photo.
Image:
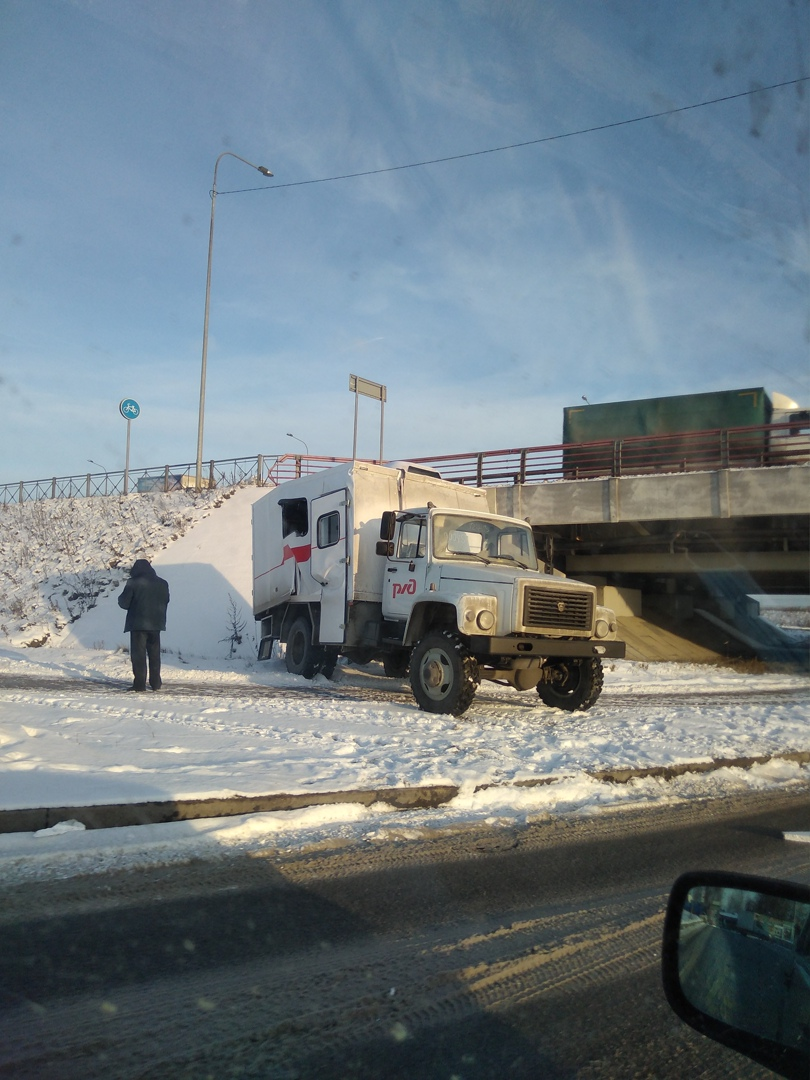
(748, 447)
(262, 469)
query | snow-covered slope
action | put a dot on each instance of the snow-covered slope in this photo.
(210, 580)
(65, 561)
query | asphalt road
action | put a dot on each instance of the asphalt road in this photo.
(497, 953)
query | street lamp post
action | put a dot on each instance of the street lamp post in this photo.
(291, 436)
(264, 172)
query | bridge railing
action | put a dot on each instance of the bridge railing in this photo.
(729, 448)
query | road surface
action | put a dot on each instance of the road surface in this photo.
(530, 951)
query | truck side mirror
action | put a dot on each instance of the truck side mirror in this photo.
(385, 547)
(387, 523)
(735, 964)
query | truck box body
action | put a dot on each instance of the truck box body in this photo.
(283, 541)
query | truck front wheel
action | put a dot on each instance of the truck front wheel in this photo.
(571, 684)
(444, 676)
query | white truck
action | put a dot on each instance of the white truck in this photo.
(396, 564)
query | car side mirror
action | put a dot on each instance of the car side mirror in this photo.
(735, 965)
(385, 547)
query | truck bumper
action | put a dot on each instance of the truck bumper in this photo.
(545, 647)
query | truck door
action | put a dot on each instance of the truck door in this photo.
(329, 549)
(405, 569)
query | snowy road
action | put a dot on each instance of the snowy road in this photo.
(525, 952)
(374, 688)
(71, 736)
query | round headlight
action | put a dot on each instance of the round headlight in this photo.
(602, 628)
(486, 620)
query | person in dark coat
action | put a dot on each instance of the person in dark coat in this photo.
(145, 599)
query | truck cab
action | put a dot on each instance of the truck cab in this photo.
(472, 582)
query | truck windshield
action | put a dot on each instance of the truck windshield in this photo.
(471, 538)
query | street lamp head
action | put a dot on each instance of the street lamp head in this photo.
(291, 436)
(263, 171)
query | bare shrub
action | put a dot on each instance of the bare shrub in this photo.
(236, 627)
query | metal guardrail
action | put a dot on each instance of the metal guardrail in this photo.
(728, 448)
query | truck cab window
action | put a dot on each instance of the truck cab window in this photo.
(328, 529)
(411, 544)
(294, 517)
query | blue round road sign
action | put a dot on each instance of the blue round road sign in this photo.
(129, 408)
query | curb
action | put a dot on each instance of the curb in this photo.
(116, 816)
(669, 772)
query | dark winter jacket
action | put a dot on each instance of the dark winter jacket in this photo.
(145, 598)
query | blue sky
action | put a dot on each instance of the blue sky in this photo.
(487, 293)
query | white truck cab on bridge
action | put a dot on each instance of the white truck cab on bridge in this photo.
(395, 564)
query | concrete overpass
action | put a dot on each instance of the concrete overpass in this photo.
(683, 550)
(677, 530)
(729, 520)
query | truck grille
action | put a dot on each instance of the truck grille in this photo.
(557, 609)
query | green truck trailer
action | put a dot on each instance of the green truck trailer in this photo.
(685, 431)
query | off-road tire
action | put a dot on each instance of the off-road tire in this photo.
(444, 676)
(576, 685)
(396, 664)
(301, 656)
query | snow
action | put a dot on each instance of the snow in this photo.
(227, 725)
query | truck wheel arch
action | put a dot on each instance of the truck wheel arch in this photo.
(293, 612)
(427, 615)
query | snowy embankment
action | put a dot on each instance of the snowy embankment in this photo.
(83, 740)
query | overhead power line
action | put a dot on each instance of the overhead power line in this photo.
(526, 142)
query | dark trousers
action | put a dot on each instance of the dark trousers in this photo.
(145, 644)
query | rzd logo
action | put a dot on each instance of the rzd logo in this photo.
(409, 587)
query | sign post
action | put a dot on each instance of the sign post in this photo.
(367, 388)
(130, 410)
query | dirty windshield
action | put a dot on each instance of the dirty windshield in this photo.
(473, 538)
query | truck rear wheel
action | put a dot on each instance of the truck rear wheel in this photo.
(329, 659)
(444, 676)
(574, 684)
(302, 657)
